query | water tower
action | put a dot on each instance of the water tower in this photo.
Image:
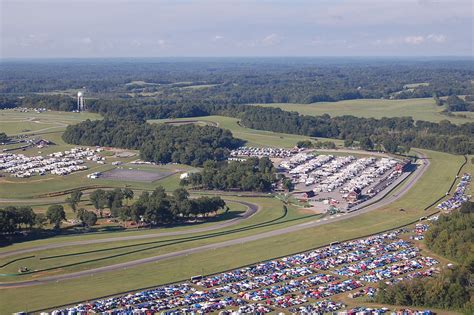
(80, 102)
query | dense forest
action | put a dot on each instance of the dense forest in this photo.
(244, 80)
(451, 236)
(152, 89)
(251, 175)
(188, 144)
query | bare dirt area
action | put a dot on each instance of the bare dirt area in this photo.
(135, 175)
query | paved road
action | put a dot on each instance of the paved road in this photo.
(251, 210)
(387, 200)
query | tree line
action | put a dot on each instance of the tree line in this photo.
(254, 174)
(16, 219)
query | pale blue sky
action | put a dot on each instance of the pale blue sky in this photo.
(145, 28)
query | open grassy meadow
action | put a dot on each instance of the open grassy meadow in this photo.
(432, 185)
(256, 138)
(15, 122)
(418, 108)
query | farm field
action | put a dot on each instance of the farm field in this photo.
(256, 138)
(419, 109)
(434, 183)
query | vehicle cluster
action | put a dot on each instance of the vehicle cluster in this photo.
(298, 283)
(261, 152)
(330, 172)
(58, 163)
(459, 197)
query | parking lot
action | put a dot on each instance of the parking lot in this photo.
(314, 280)
(57, 163)
(329, 182)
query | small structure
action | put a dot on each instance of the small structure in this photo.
(81, 106)
(354, 195)
(306, 195)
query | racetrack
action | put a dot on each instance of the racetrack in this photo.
(391, 197)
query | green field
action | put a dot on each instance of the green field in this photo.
(433, 184)
(13, 122)
(257, 138)
(418, 108)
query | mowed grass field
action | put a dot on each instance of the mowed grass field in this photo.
(256, 138)
(432, 185)
(418, 108)
(13, 122)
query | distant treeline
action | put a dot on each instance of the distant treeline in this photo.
(247, 80)
(251, 175)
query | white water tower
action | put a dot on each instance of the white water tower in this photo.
(80, 102)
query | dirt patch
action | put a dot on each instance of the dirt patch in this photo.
(135, 175)
(198, 122)
(311, 211)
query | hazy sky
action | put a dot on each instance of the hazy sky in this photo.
(146, 28)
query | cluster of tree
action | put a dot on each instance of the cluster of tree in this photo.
(317, 144)
(160, 143)
(298, 80)
(88, 218)
(160, 208)
(451, 236)
(449, 290)
(14, 219)
(151, 208)
(56, 214)
(4, 138)
(111, 199)
(254, 174)
(457, 104)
